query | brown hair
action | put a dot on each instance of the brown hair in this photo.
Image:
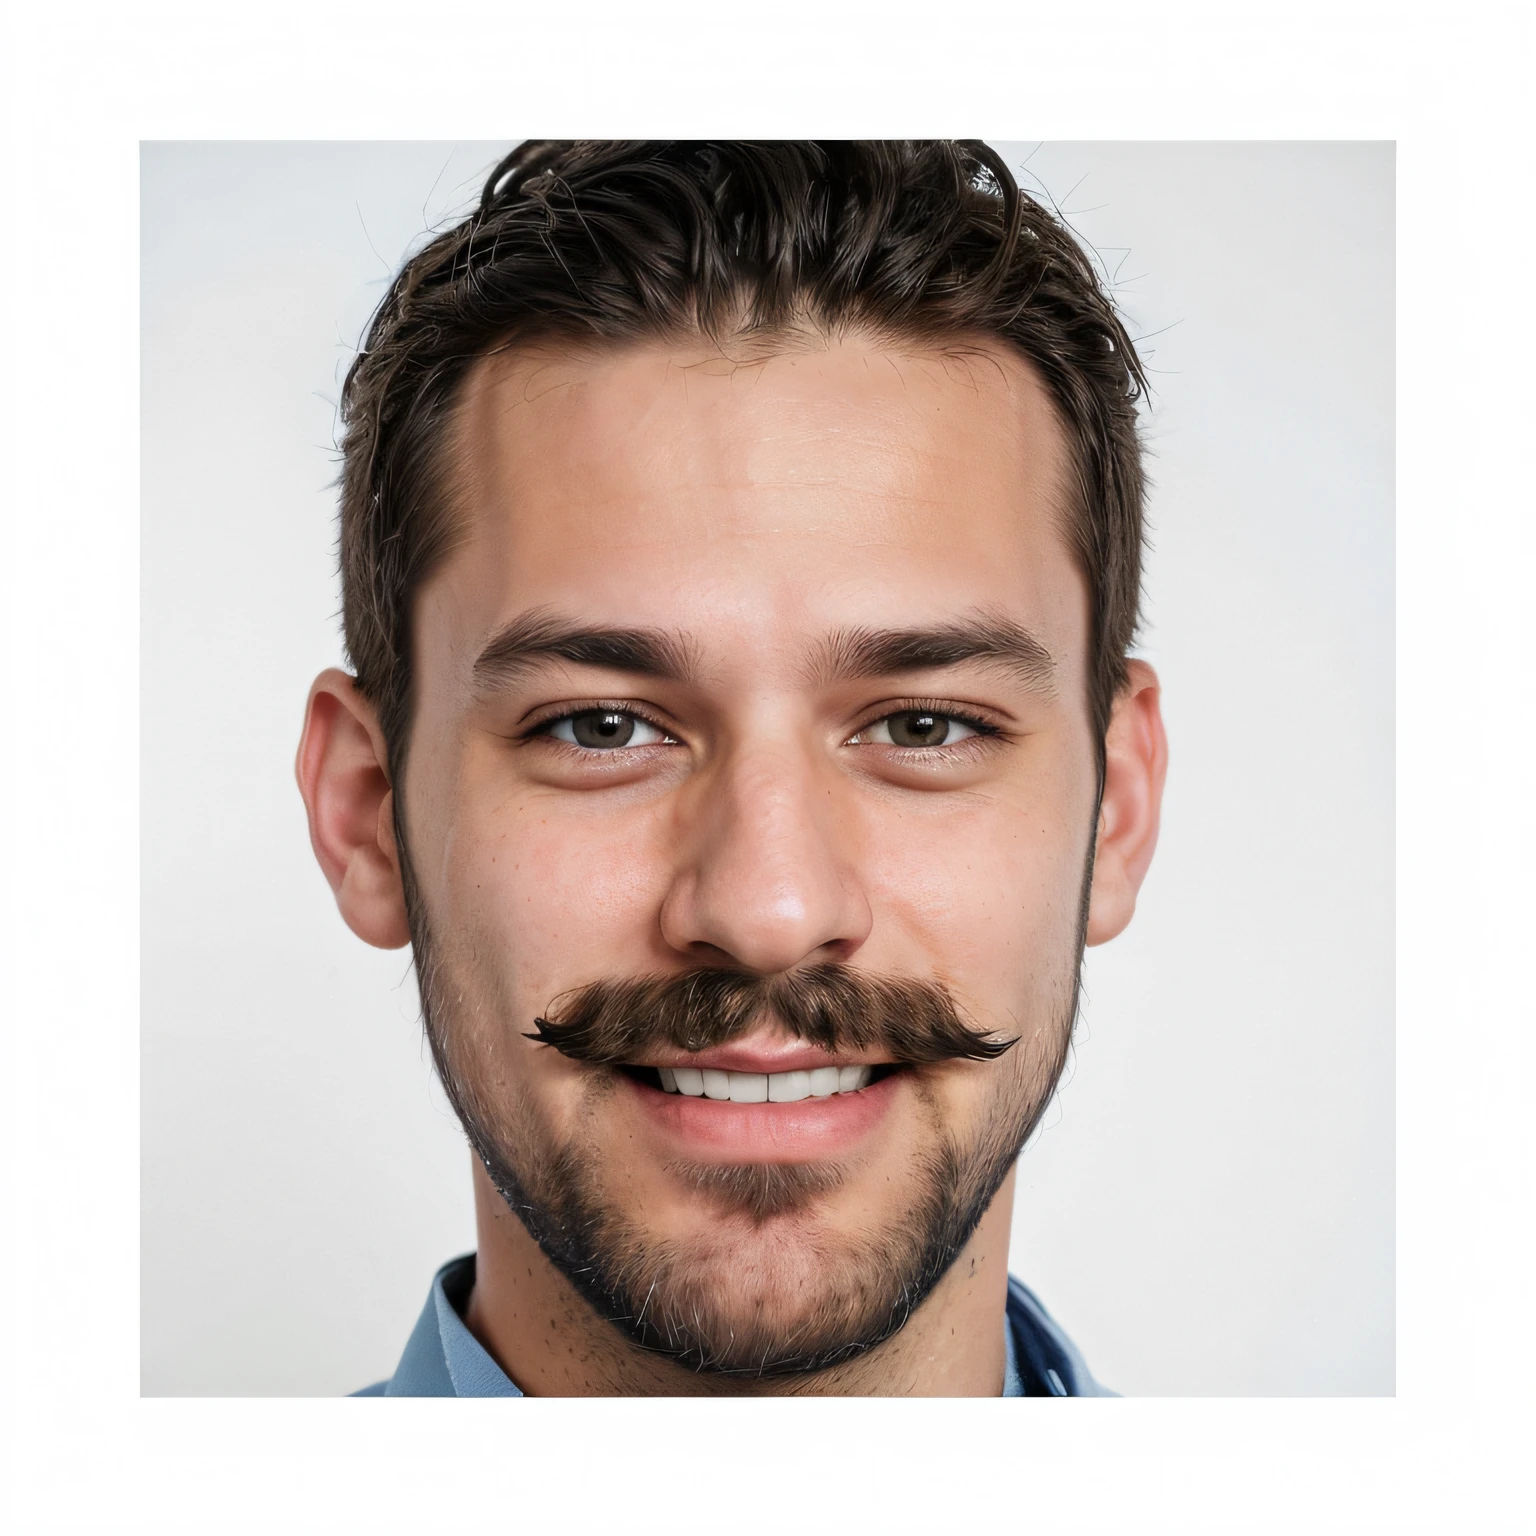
(929, 241)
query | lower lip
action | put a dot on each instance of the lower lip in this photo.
(767, 1133)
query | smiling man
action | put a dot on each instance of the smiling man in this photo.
(740, 553)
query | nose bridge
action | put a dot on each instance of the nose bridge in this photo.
(770, 813)
(768, 879)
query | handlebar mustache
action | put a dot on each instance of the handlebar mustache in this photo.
(613, 1022)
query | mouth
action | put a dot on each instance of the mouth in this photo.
(762, 1087)
(725, 1105)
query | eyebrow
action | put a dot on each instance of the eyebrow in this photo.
(846, 655)
(542, 634)
(868, 653)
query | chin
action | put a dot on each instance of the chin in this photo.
(760, 1299)
(772, 1270)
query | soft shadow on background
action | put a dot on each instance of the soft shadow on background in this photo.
(1208, 1207)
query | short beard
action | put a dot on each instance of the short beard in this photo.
(668, 1302)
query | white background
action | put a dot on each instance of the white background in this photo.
(84, 1451)
(1208, 1207)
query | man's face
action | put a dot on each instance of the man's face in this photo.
(759, 667)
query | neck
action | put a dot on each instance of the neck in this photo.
(548, 1340)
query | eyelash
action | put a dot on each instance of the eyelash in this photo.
(597, 707)
(982, 728)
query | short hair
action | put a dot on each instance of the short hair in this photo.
(610, 242)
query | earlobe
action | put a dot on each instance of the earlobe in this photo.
(1135, 765)
(344, 779)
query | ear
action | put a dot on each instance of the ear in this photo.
(342, 774)
(1135, 763)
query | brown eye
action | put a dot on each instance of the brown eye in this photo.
(603, 730)
(606, 730)
(914, 728)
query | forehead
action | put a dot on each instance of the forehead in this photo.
(769, 497)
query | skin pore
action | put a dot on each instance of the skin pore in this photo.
(765, 663)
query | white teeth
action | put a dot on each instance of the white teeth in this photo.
(758, 1087)
(789, 1087)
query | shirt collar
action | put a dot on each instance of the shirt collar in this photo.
(442, 1357)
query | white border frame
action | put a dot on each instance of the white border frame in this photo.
(89, 83)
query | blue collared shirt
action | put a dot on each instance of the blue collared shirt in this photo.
(444, 1359)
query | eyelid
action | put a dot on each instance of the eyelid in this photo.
(873, 730)
(541, 724)
(974, 721)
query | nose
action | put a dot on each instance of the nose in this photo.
(767, 876)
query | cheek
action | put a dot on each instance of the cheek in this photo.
(560, 895)
(988, 896)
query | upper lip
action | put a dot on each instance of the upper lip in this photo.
(759, 1055)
